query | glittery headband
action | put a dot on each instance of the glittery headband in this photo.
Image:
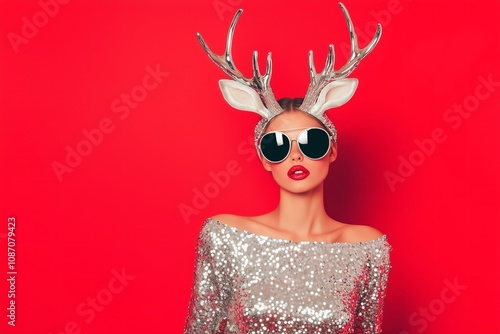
(327, 89)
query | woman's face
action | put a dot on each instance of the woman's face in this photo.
(318, 169)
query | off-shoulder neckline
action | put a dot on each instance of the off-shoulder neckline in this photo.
(381, 238)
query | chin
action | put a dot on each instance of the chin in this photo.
(299, 187)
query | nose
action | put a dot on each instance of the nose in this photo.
(295, 153)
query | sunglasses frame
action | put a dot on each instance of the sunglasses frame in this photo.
(330, 137)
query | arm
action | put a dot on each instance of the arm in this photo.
(205, 309)
(369, 312)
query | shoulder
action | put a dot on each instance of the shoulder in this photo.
(360, 233)
(206, 234)
(230, 219)
(254, 224)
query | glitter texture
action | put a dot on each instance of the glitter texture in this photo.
(261, 125)
(249, 283)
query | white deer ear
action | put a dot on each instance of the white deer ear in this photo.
(335, 94)
(242, 97)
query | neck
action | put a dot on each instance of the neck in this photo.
(302, 214)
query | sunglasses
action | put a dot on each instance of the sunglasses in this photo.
(314, 143)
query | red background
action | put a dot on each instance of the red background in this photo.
(119, 207)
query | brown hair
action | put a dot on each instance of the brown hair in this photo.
(289, 104)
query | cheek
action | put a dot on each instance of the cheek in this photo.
(279, 172)
(321, 170)
(280, 175)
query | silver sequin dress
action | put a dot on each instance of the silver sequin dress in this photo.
(249, 283)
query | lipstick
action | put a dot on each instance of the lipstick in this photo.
(298, 172)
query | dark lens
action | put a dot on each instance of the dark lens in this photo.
(274, 146)
(314, 143)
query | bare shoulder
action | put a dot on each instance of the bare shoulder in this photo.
(230, 219)
(359, 233)
(253, 224)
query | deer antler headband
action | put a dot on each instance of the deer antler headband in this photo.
(328, 89)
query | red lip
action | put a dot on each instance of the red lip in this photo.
(298, 176)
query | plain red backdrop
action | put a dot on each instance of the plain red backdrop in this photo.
(117, 210)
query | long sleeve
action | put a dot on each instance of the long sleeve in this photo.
(205, 307)
(369, 312)
(250, 283)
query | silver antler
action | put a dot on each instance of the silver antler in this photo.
(261, 83)
(320, 80)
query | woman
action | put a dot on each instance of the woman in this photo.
(294, 269)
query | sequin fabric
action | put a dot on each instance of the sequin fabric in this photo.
(261, 126)
(249, 283)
